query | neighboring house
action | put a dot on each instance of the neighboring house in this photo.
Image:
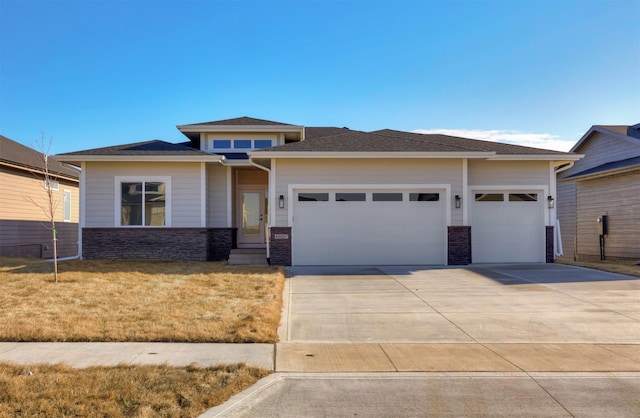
(318, 196)
(24, 226)
(606, 182)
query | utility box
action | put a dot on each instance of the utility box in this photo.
(603, 227)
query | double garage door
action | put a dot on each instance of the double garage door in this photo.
(409, 227)
(369, 227)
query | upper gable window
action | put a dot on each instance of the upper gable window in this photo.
(242, 143)
(262, 143)
(221, 144)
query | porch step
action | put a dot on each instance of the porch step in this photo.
(248, 256)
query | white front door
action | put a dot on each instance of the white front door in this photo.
(251, 216)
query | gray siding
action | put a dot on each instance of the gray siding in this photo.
(34, 239)
(217, 196)
(365, 171)
(619, 198)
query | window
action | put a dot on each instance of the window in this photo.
(143, 203)
(424, 197)
(313, 197)
(66, 204)
(489, 197)
(262, 143)
(242, 143)
(221, 143)
(387, 197)
(351, 197)
(523, 197)
(51, 185)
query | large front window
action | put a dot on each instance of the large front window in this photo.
(143, 203)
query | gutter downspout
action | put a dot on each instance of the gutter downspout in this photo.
(271, 213)
(558, 251)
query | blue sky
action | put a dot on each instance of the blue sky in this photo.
(99, 73)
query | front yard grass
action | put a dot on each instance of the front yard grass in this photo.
(139, 301)
(628, 267)
(123, 391)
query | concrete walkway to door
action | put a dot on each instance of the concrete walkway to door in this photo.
(481, 340)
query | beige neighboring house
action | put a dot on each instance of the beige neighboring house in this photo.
(605, 183)
(25, 227)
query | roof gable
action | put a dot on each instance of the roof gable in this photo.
(624, 132)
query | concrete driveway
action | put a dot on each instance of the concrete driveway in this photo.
(484, 340)
(536, 303)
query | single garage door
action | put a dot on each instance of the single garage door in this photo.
(369, 227)
(507, 227)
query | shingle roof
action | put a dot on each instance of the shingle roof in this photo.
(467, 144)
(153, 147)
(14, 153)
(243, 120)
(388, 140)
(311, 132)
(613, 165)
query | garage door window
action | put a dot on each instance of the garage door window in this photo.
(523, 197)
(489, 197)
(351, 197)
(424, 197)
(387, 197)
(313, 197)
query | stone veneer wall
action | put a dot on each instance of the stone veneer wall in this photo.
(280, 246)
(193, 244)
(459, 245)
(550, 255)
(221, 242)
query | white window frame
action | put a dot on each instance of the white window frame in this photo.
(210, 142)
(141, 179)
(66, 205)
(53, 185)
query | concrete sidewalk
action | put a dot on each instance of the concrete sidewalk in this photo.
(112, 354)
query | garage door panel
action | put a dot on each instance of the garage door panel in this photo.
(369, 232)
(508, 231)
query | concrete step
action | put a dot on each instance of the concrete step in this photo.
(248, 256)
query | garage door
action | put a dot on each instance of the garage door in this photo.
(507, 227)
(368, 227)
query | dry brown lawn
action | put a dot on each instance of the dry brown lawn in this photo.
(123, 391)
(628, 267)
(139, 301)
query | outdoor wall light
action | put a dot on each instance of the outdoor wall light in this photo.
(458, 201)
(550, 202)
(281, 202)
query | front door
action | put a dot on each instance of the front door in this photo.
(251, 216)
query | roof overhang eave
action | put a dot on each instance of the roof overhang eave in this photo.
(600, 174)
(77, 159)
(317, 154)
(538, 157)
(239, 128)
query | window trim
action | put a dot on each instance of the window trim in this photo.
(66, 201)
(118, 180)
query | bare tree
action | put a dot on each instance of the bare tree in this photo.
(49, 205)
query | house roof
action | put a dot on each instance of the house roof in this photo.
(311, 132)
(388, 140)
(630, 133)
(19, 156)
(154, 150)
(608, 168)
